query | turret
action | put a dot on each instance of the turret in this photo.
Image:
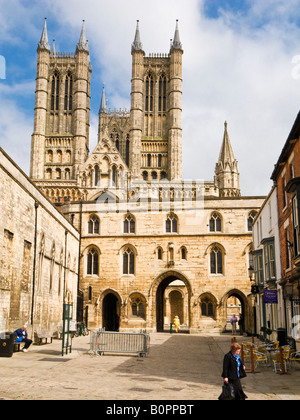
(227, 177)
(40, 110)
(175, 109)
(137, 100)
(82, 99)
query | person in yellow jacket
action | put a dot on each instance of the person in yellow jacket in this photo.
(176, 323)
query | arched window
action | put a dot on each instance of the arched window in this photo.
(92, 263)
(58, 174)
(114, 176)
(94, 225)
(207, 308)
(149, 93)
(129, 224)
(96, 175)
(159, 253)
(50, 156)
(67, 174)
(145, 175)
(171, 224)
(250, 220)
(127, 150)
(216, 261)
(154, 175)
(215, 223)
(183, 253)
(68, 92)
(163, 175)
(48, 173)
(128, 261)
(162, 100)
(138, 308)
(55, 92)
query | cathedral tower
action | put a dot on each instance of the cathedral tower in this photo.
(60, 141)
(156, 133)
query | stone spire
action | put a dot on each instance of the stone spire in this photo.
(226, 172)
(103, 107)
(226, 154)
(137, 45)
(177, 45)
(44, 44)
(83, 43)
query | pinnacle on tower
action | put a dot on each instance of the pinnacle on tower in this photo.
(137, 45)
(177, 45)
(103, 107)
(83, 43)
(44, 44)
(53, 48)
(226, 154)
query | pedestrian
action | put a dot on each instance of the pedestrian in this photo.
(233, 322)
(234, 371)
(176, 323)
(22, 337)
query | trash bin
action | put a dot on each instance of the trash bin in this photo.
(7, 342)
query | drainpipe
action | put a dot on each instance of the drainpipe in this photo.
(65, 270)
(79, 263)
(36, 205)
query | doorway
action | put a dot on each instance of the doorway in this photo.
(176, 301)
(110, 313)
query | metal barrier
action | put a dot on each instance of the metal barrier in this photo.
(118, 342)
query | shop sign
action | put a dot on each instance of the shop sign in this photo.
(270, 296)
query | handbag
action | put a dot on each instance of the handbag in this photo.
(227, 393)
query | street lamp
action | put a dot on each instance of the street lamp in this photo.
(251, 272)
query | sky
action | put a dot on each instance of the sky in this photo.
(241, 64)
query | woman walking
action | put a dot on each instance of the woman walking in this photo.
(234, 371)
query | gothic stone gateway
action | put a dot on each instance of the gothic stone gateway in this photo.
(181, 246)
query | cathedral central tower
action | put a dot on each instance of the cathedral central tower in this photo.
(156, 132)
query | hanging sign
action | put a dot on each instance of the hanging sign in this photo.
(270, 296)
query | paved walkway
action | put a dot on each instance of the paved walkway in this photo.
(179, 367)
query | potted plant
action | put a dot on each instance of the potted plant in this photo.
(267, 331)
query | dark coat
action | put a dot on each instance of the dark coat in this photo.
(19, 333)
(230, 368)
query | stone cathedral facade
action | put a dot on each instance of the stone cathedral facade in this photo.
(152, 245)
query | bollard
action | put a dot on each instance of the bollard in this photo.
(171, 328)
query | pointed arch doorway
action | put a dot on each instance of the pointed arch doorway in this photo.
(158, 293)
(110, 312)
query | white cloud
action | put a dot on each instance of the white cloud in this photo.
(237, 67)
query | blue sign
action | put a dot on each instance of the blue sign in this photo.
(270, 296)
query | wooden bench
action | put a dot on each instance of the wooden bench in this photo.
(44, 335)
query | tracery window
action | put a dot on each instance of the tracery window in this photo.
(128, 261)
(162, 100)
(55, 92)
(92, 262)
(129, 224)
(216, 260)
(250, 220)
(215, 223)
(94, 225)
(138, 309)
(68, 93)
(171, 224)
(149, 93)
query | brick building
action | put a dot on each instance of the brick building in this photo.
(286, 176)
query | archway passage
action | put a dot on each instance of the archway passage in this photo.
(160, 299)
(110, 313)
(235, 305)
